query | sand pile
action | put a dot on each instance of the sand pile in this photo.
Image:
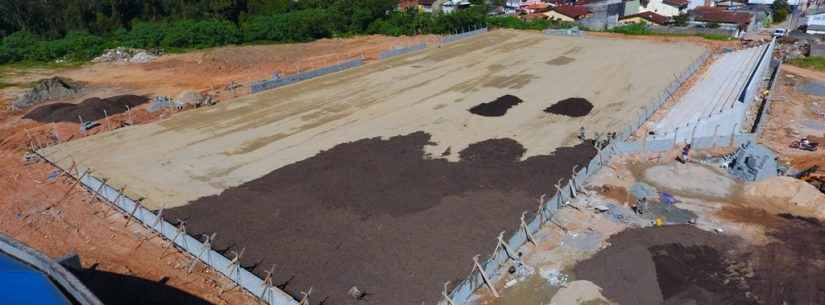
(579, 293)
(789, 195)
(690, 179)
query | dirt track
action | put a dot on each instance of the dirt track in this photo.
(379, 215)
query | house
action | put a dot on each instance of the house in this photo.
(450, 6)
(705, 16)
(533, 8)
(667, 8)
(426, 5)
(646, 17)
(569, 13)
(632, 7)
(817, 49)
(815, 24)
(406, 4)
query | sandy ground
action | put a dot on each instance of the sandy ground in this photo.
(211, 70)
(791, 107)
(205, 151)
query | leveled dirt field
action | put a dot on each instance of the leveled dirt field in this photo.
(206, 151)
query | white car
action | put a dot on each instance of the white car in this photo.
(780, 32)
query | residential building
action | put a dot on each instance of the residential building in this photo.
(815, 24)
(646, 17)
(569, 13)
(667, 8)
(738, 21)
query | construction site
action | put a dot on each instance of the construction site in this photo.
(486, 167)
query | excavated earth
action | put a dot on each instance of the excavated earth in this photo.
(380, 215)
(91, 109)
(681, 265)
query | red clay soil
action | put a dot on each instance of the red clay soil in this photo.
(91, 109)
(379, 215)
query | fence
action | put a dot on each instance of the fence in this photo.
(574, 31)
(401, 51)
(483, 273)
(283, 81)
(200, 251)
(459, 36)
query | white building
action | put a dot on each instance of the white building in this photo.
(667, 8)
(815, 24)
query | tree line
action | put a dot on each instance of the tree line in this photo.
(45, 30)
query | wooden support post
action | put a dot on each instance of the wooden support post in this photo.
(503, 245)
(733, 134)
(234, 270)
(484, 276)
(159, 220)
(56, 132)
(207, 246)
(180, 231)
(94, 195)
(540, 210)
(446, 295)
(66, 195)
(305, 297)
(267, 283)
(132, 213)
(526, 229)
(715, 134)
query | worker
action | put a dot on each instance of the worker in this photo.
(642, 205)
(581, 133)
(685, 152)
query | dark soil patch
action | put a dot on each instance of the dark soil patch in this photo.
(91, 109)
(791, 270)
(629, 269)
(378, 215)
(560, 61)
(496, 108)
(680, 265)
(572, 107)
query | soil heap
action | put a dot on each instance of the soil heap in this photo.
(91, 109)
(572, 107)
(496, 108)
(47, 89)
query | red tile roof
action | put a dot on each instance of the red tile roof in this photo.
(572, 11)
(649, 16)
(676, 3)
(720, 15)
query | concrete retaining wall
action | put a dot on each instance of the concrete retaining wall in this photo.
(455, 37)
(401, 51)
(275, 83)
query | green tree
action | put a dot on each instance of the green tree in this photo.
(780, 10)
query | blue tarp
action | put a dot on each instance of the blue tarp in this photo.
(21, 284)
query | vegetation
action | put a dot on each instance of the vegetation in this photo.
(78, 30)
(643, 29)
(813, 62)
(780, 10)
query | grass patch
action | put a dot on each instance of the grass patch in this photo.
(813, 62)
(641, 29)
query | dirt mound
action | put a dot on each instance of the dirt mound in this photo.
(380, 215)
(572, 107)
(642, 266)
(47, 89)
(91, 109)
(496, 108)
(788, 195)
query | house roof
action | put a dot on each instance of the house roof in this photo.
(426, 2)
(536, 6)
(572, 11)
(720, 15)
(676, 3)
(649, 16)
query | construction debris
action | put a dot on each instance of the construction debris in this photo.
(45, 90)
(125, 55)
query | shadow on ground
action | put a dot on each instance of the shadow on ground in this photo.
(121, 289)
